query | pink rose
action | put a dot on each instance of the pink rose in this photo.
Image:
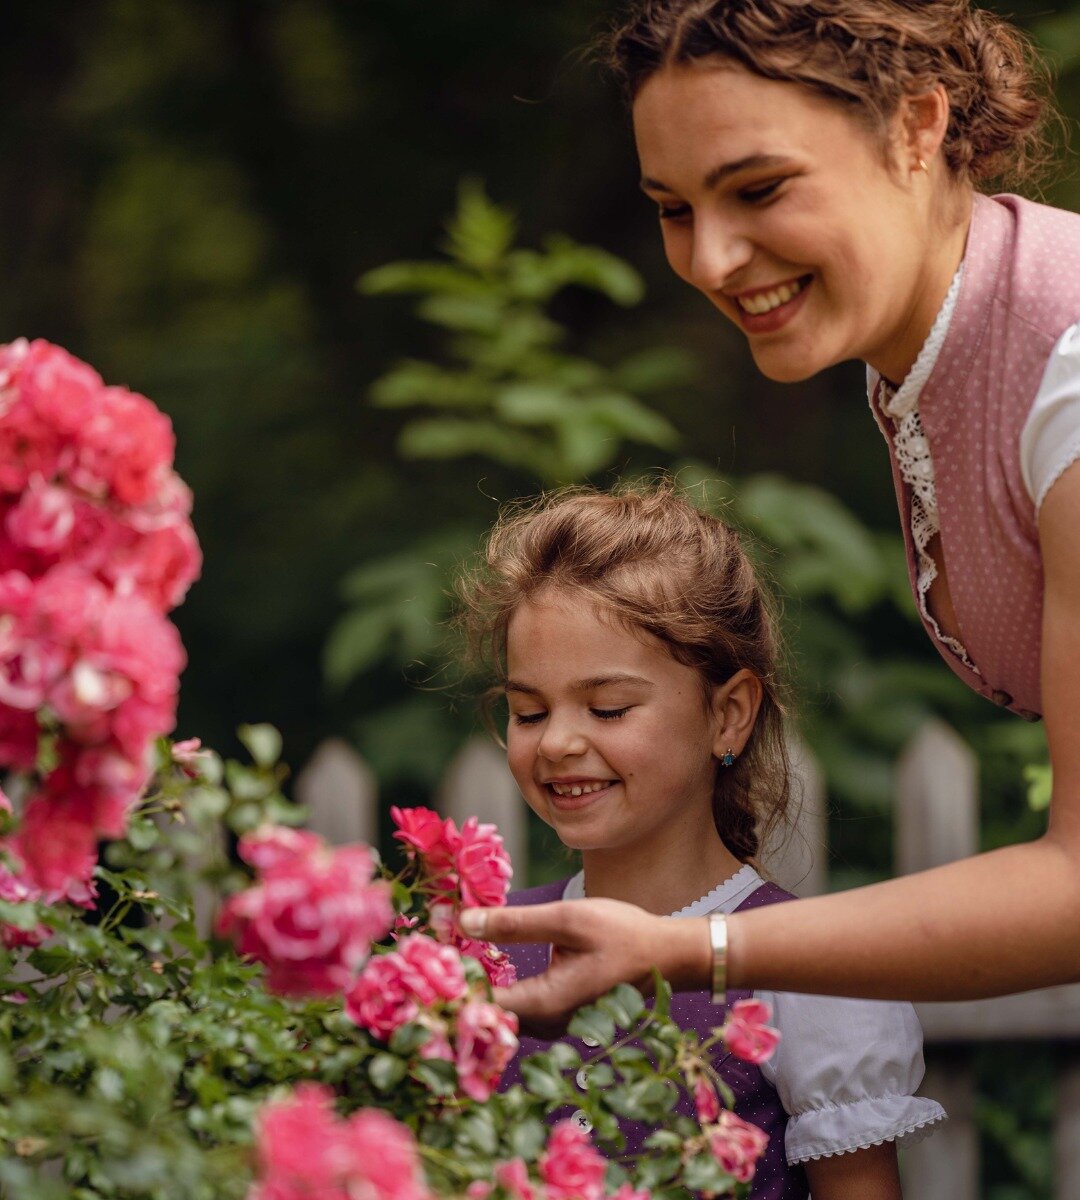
(571, 1166)
(425, 833)
(385, 1159)
(392, 988)
(380, 1001)
(482, 865)
(747, 1033)
(273, 846)
(629, 1192)
(306, 1153)
(190, 757)
(500, 970)
(486, 1041)
(737, 1145)
(431, 971)
(514, 1177)
(311, 919)
(706, 1102)
(43, 518)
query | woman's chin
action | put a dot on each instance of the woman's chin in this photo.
(784, 365)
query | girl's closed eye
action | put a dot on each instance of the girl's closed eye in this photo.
(528, 718)
(674, 212)
(611, 714)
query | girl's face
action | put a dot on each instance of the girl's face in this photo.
(610, 739)
(785, 214)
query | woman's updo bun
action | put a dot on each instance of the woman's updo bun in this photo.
(868, 55)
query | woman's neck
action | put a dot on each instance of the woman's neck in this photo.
(661, 878)
(895, 359)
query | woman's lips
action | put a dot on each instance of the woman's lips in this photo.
(775, 318)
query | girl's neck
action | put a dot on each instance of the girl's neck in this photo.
(660, 878)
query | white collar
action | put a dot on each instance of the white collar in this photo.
(725, 897)
(899, 403)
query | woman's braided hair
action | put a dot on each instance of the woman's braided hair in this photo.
(867, 55)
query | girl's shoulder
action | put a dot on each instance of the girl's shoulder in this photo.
(546, 893)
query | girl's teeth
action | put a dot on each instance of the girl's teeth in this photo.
(766, 301)
(576, 789)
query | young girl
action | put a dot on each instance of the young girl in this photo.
(638, 659)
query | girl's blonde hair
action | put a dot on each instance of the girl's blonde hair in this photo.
(655, 563)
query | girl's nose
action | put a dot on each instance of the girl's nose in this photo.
(719, 251)
(561, 739)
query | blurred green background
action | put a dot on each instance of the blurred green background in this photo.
(191, 191)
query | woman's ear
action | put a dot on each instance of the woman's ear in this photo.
(919, 129)
(735, 706)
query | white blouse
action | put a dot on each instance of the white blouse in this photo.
(1049, 441)
(846, 1070)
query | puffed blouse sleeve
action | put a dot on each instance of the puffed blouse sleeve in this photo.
(846, 1072)
(1050, 439)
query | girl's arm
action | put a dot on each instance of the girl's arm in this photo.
(1001, 922)
(870, 1174)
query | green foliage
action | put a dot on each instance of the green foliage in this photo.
(507, 391)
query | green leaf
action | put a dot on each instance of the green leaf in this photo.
(1039, 778)
(437, 1076)
(386, 1071)
(705, 1174)
(357, 642)
(592, 1025)
(624, 1004)
(408, 1038)
(661, 995)
(480, 232)
(657, 1169)
(542, 1081)
(262, 742)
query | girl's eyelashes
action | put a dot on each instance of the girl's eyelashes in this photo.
(673, 212)
(605, 714)
(528, 718)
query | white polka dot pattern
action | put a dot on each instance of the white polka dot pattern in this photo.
(1021, 291)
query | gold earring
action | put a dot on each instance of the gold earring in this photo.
(921, 165)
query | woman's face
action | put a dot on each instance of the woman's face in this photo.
(786, 214)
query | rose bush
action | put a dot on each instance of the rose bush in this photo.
(337, 1038)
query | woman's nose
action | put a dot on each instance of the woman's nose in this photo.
(561, 739)
(719, 250)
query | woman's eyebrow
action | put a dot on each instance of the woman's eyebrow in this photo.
(752, 162)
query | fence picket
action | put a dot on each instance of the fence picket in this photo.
(339, 790)
(478, 783)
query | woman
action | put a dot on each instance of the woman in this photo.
(815, 163)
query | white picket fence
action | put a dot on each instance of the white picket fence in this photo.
(936, 821)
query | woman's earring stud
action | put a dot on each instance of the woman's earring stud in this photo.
(921, 164)
(728, 759)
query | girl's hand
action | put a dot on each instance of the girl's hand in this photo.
(596, 944)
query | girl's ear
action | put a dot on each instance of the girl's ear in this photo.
(735, 706)
(919, 128)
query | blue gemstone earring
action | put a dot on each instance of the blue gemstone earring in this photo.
(728, 759)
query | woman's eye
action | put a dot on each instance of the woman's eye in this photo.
(673, 212)
(528, 718)
(757, 194)
(611, 714)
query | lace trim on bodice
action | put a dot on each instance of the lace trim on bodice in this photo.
(913, 458)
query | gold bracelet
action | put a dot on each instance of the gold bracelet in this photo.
(718, 940)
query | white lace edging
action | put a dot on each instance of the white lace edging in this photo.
(915, 462)
(913, 1133)
(861, 1124)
